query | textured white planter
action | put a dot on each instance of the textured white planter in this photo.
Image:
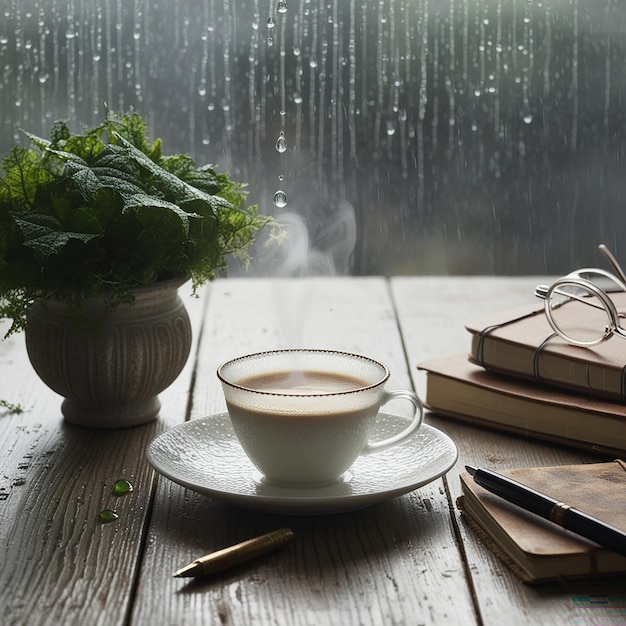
(111, 375)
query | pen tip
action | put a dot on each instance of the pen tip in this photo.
(471, 469)
(185, 572)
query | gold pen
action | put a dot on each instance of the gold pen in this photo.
(234, 555)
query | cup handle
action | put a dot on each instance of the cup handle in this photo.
(399, 394)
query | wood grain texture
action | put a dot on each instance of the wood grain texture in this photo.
(432, 312)
(58, 564)
(395, 563)
(409, 560)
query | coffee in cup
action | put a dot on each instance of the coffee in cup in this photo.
(304, 416)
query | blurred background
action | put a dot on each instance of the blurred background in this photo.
(421, 136)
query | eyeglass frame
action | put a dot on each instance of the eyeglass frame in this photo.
(576, 279)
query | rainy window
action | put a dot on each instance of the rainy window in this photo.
(404, 136)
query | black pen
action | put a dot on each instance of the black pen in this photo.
(558, 512)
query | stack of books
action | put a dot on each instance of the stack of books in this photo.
(520, 377)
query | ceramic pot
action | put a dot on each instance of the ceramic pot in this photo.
(111, 373)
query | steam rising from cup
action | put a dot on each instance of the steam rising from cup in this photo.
(328, 253)
(300, 255)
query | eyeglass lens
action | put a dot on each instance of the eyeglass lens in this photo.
(578, 314)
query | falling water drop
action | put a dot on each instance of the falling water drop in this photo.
(528, 118)
(280, 199)
(271, 22)
(280, 177)
(281, 142)
(282, 6)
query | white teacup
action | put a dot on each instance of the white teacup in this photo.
(303, 417)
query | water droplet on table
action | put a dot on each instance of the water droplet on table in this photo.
(121, 488)
(107, 516)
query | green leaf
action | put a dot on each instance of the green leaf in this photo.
(41, 143)
(87, 183)
(59, 132)
(169, 184)
(143, 201)
(23, 177)
(115, 158)
(84, 146)
(43, 236)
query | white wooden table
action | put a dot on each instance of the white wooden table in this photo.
(409, 560)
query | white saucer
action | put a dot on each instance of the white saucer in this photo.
(205, 456)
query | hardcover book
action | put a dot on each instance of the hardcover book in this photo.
(537, 550)
(457, 388)
(521, 342)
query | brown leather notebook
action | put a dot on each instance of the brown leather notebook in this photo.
(537, 550)
(461, 390)
(521, 342)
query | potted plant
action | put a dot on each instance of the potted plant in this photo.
(97, 232)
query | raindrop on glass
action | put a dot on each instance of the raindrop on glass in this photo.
(281, 142)
(280, 199)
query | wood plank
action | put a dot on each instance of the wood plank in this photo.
(396, 562)
(432, 312)
(58, 564)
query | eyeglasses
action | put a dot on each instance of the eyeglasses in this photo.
(579, 308)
